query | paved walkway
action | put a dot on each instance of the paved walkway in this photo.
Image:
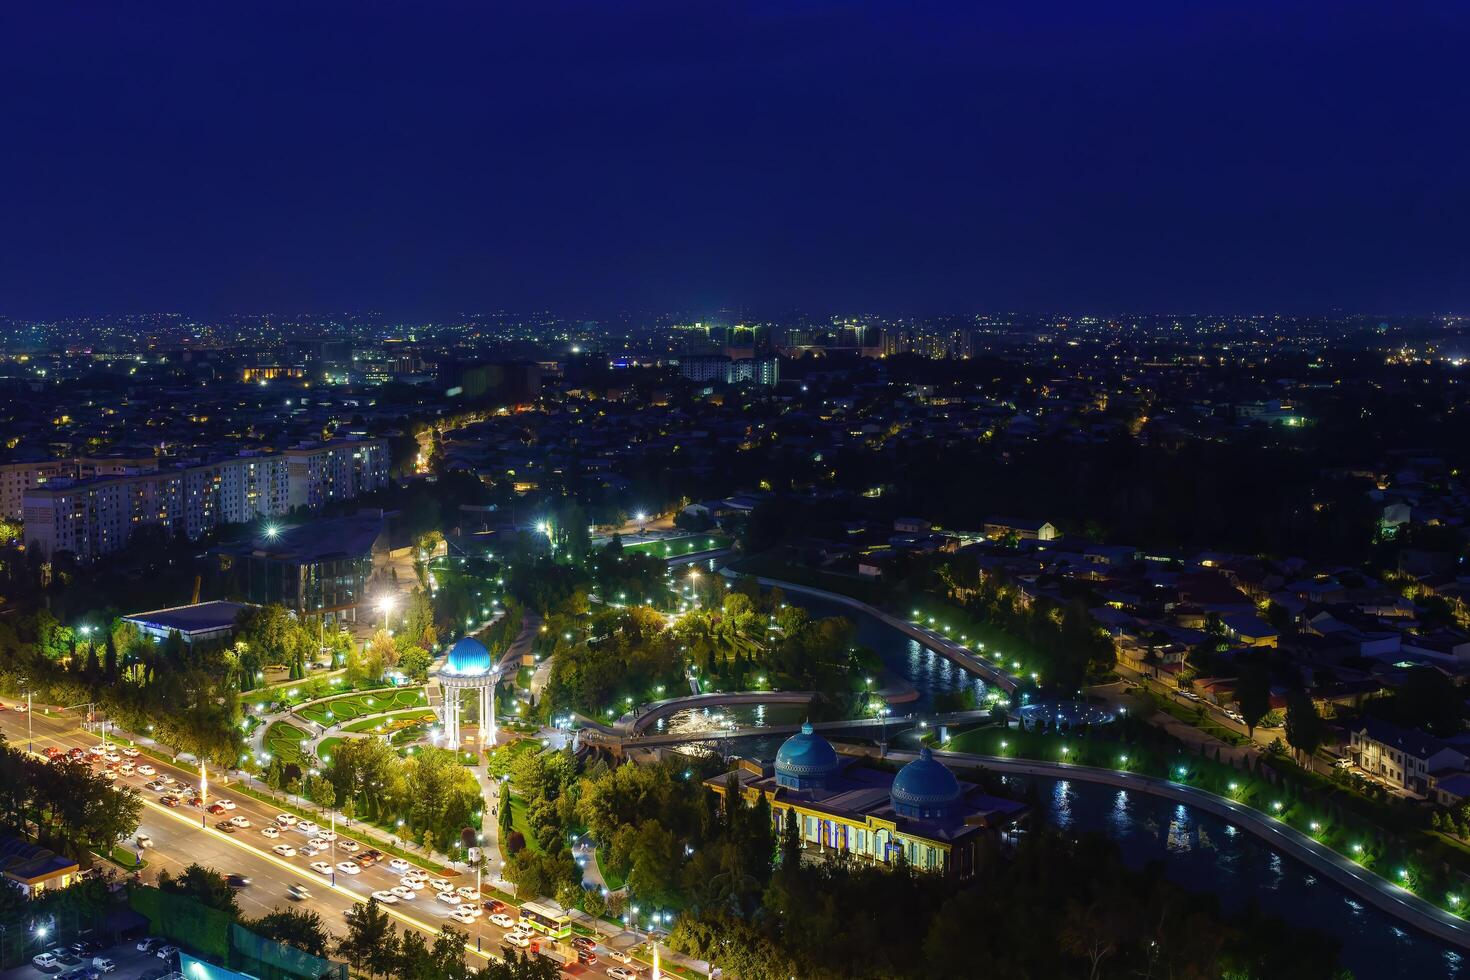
(1348, 874)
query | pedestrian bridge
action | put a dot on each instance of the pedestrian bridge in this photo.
(634, 722)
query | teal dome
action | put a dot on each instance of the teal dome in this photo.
(925, 789)
(468, 658)
(805, 760)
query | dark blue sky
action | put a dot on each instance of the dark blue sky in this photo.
(424, 158)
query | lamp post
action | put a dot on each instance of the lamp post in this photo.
(385, 606)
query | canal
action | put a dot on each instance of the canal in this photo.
(1198, 851)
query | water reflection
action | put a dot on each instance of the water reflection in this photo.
(1202, 852)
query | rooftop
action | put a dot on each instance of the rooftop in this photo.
(201, 617)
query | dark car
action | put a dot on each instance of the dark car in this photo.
(225, 826)
(587, 956)
(237, 881)
(154, 974)
(169, 800)
(584, 942)
(85, 949)
(495, 905)
(67, 957)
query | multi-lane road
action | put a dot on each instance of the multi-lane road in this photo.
(185, 835)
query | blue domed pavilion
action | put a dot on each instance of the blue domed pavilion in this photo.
(468, 658)
(468, 668)
(925, 789)
(806, 760)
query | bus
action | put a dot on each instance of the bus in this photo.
(549, 920)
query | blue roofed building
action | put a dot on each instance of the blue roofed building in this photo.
(922, 814)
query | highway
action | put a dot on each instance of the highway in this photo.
(185, 835)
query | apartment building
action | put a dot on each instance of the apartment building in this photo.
(94, 516)
(337, 470)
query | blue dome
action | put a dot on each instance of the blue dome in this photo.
(805, 760)
(925, 788)
(468, 658)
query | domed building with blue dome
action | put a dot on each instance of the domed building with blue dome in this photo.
(922, 814)
(468, 667)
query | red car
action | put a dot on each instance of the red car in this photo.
(217, 808)
(52, 751)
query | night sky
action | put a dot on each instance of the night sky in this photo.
(423, 159)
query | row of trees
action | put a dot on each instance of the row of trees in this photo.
(64, 803)
(740, 635)
(430, 791)
(1057, 907)
(373, 945)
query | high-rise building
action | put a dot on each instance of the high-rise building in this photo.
(94, 515)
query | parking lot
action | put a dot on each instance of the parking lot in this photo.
(131, 965)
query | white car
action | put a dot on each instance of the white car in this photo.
(146, 770)
(270, 832)
(448, 898)
(285, 850)
(348, 867)
(404, 892)
(622, 973)
(286, 819)
(144, 841)
(440, 885)
(227, 804)
(327, 835)
(131, 752)
(465, 891)
(45, 961)
(307, 827)
(112, 757)
(241, 821)
(348, 846)
(386, 898)
(503, 921)
(463, 915)
(519, 939)
(321, 867)
(127, 769)
(97, 749)
(319, 843)
(399, 865)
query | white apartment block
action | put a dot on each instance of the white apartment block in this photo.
(94, 516)
(338, 470)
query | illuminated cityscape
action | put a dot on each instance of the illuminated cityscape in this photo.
(779, 491)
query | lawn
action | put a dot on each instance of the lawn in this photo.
(391, 722)
(283, 740)
(127, 858)
(518, 822)
(686, 544)
(612, 881)
(1198, 717)
(351, 706)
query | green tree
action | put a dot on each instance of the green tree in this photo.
(301, 928)
(1304, 728)
(204, 885)
(1253, 695)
